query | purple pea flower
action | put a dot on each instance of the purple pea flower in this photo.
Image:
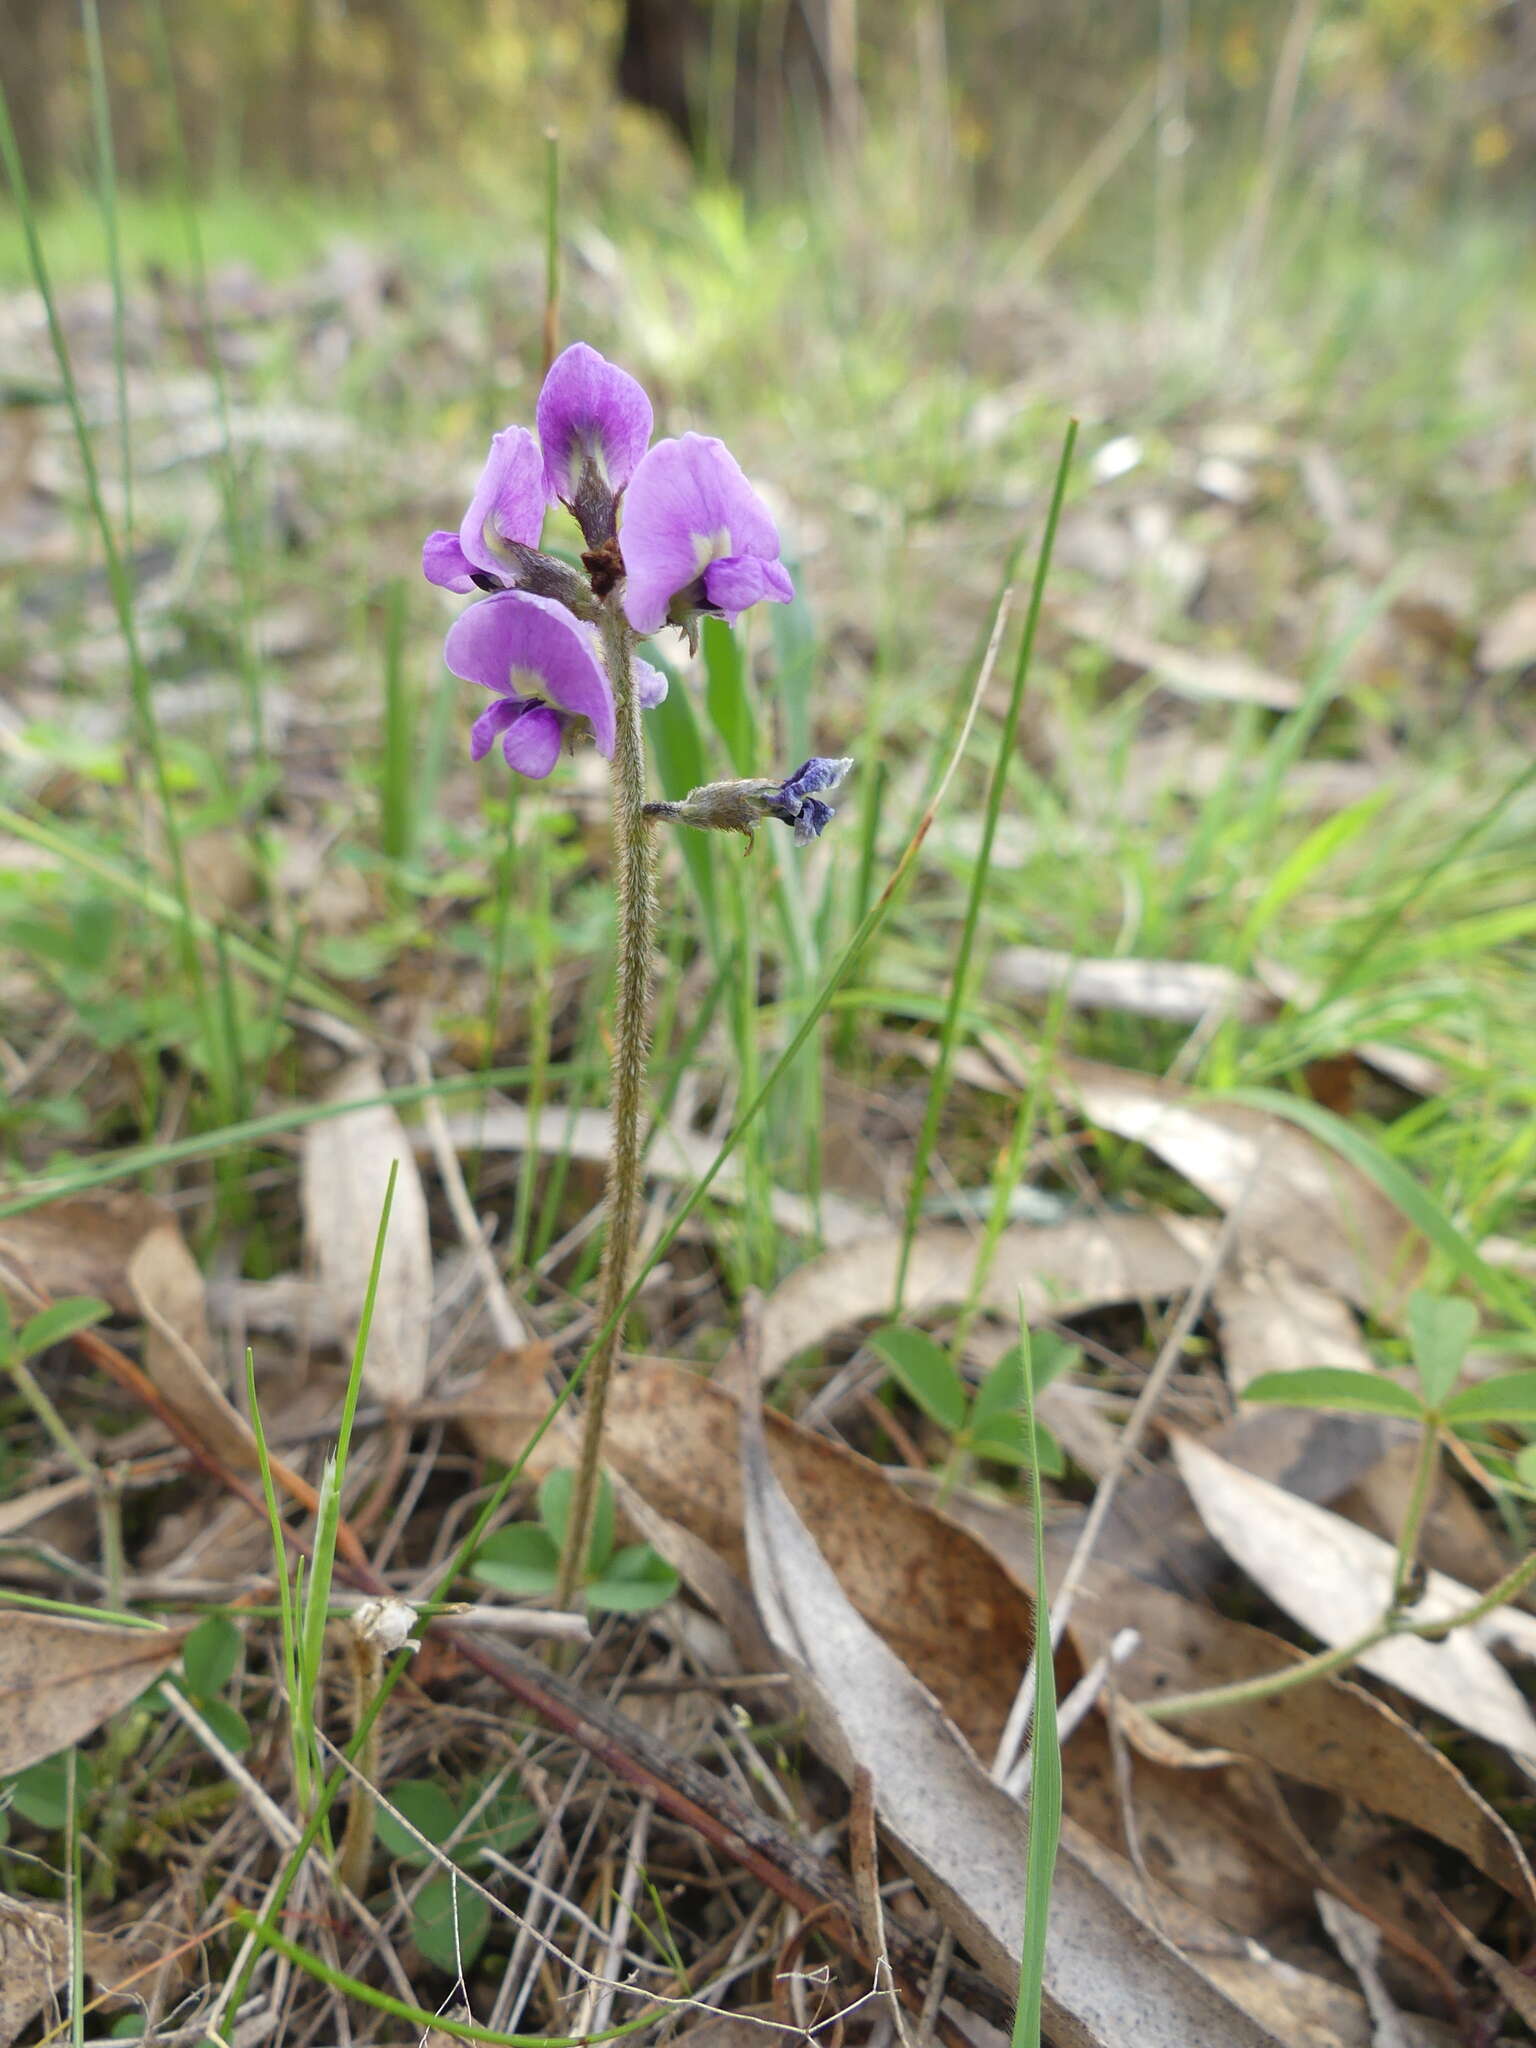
(545, 670)
(594, 425)
(503, 523)
(696, 531)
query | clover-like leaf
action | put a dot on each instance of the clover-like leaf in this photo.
(439, 1904)
(1336, 1387)
(555, 1508)
(1439, 1330)
(1507, 1397)
(521, 1559)
(59, 1320)
(634, 1580)
(210, 1654)
(922, 1371)
(427, 1807)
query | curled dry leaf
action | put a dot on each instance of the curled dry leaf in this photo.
(82, 1246)
(346, 1167)
(937, 1596)
(34, 1961)
(1060, 1269)
(1110, 1980)
(60, 1679)
(1335, 1579)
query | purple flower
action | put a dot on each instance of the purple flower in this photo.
(594, 425)
(505, 516)
(797, 803)
(742, 806)
(544, 669)
(695, 529)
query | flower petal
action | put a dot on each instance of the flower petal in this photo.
(650, 684)
(509, 501)
(817, 774)
(590, 409)
(525, 646)
(443, 562)
(532, 744)
(689, 506)
(740, 581)
(814, 818)
(492, 722)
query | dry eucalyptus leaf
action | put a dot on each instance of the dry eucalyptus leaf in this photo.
(34, 1961)
(1335, 1579)
(1110, 1980)
(1358, 1941)
(1181, 991)
(82, 1246)
(168, 1290)
(346, 1167)
(936, 1595)
(1299, 1200)
(1509, 638)
(673, 1155)
(1333, 1734)
(1061, 1269)
(60, 1679)
(25, 1508)
(1224, 678)
(1274, 1321)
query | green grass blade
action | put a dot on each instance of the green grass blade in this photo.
(938, 1091)
(1045, 1786)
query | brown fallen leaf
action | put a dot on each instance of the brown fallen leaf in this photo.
(1358, 1941)
(1334, 1734)
(167, 1288)
(1060, 1269)
(82, 1246)
(937, 1596)
(1110, 1980)
(60, 1679)
(26, 1508)
(1512, 1983)
(34, 1961)
(1182, 991)
(1335, 1578)
(346, 1167)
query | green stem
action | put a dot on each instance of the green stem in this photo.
(1244, 1691)
(1413, 1519)
(632, 851)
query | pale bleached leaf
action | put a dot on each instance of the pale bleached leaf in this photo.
(347, 1161)
(1335, 1579)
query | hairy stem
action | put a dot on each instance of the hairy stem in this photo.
(637, 916)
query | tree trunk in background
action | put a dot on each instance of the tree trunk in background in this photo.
(755, 87)
(28, 63)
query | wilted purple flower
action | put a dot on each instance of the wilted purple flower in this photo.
(742, 806)
(502, 525)
(544, 669)
(594, 425)
(797, 802)
(695, 530)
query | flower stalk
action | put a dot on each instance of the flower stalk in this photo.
(636, 909)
